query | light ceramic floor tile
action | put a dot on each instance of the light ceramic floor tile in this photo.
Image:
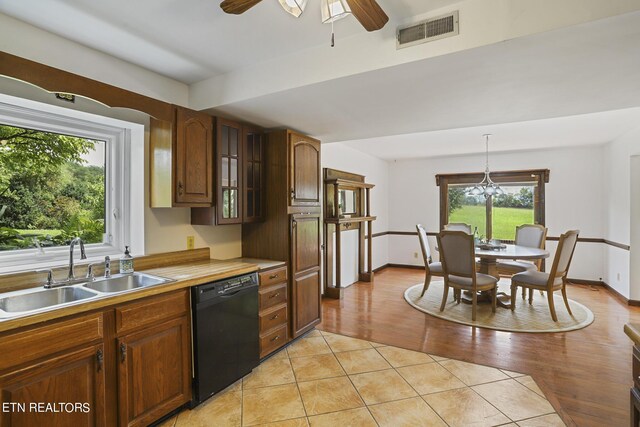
(377, 344)
(269, 373)
(282, 354)
(297, 422)
(429, 378)
(316, 367)
(381, 386)
(340, 343)
(352, 418)
(412, 412)
(552, 420)
(225, 408)
(399, 357)
(438, 358)
(168, 423)
(514, 400)
(308, 347)
(313, 334)
(464, 407)
(358, 361)
(513, 374)
(269, 404)
(529, 383)
(472, 374)
(329, 395)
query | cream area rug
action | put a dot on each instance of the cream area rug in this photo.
(526, 318)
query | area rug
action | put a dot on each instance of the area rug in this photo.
(526, 318)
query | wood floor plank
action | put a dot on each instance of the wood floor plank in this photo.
(586, 374)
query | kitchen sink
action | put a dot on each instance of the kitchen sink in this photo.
(43, 299)
(125, 282)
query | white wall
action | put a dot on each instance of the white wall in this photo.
(376, 171)
(24, 40)
(573, 197)
(620, 195)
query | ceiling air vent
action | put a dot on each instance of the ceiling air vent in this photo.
(435, 28)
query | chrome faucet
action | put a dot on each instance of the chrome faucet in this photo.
(107, 267)
(83, 255)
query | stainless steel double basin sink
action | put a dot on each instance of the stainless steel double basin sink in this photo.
(35, 300)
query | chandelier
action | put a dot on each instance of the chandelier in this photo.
(486, 187)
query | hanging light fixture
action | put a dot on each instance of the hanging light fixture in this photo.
(486, 187)
(294, 7)
(333, 10)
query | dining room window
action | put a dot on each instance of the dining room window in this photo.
(494, 217)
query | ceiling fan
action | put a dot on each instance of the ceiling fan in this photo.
(367, 12)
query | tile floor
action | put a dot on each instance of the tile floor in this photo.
(331, 380)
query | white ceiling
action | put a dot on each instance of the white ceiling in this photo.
(191, 40)
(577, 70)
(586, 129)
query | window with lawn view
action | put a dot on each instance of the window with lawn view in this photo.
(52, 189)
(494, 217)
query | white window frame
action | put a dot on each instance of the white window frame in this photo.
(118, 195)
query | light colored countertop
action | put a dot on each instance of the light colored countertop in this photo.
(185, 275)
(633, 331)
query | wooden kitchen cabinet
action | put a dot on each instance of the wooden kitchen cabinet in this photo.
(229, 179)
(62, 361)
(273, 306)
(253, 174)
(181, 160)
(304, 170)
(290, 229)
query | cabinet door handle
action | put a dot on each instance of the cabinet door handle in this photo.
(293, 193)
(99, 359)
(277, 337)
(274, 317)
(123, 352)
(277, 294)
(273, 276)
(180, 188)
(294, 223)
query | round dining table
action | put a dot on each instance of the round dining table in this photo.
(489, 265)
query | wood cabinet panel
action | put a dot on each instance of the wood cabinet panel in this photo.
(305, 241)
(304, 170)
(272, 296)
(154, 372)
(273, 317)
(193, 148)
(135, 315)
(78, 376)
(37, 342)
(271, 277)
(306, 302)
(273, 340)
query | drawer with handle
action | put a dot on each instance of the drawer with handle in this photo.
(273, 340)
(636, 366)
(272, 296)
(273, 317)
(274, 276)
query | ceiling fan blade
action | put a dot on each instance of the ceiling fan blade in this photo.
(369, 14)
(238, 7)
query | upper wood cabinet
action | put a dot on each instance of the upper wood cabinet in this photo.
(194, 158)
(181, 163)
(253, 176)
(304, 172)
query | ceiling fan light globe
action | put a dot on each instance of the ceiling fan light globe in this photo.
(333, 10)
(476, 191)
(294, 7)
(490, 190)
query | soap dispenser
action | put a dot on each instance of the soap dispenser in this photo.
(126, 262)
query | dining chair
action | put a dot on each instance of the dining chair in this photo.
(553, 281)
(458, 226)
(431, 268)
(531, 236)
(457, 252)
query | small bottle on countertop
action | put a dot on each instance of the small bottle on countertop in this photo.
(126, 262)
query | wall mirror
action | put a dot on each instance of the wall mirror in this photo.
(348, 202)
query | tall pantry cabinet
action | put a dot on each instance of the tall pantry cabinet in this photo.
(292, 222)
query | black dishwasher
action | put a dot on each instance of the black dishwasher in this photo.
(225, 333)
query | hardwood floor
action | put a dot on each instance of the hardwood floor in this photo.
(586, 374)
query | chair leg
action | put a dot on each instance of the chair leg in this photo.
(566, 300)
(427, 281)
(530, 296)
(474, 305)
(552, 307)
(494, 299)
(524, 294)
(514, 293)
(459, 295)
(445, 295)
